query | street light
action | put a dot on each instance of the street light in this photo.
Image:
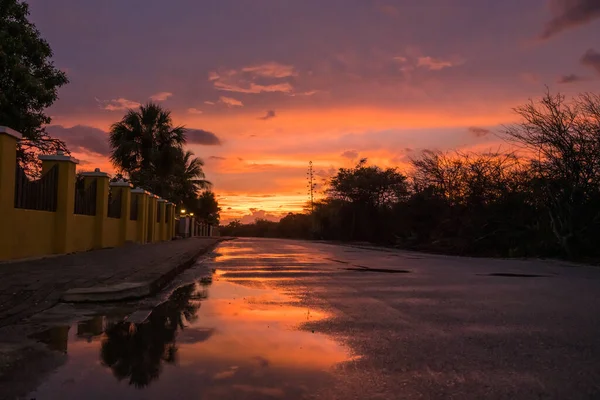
(182, 211)
(191, 214)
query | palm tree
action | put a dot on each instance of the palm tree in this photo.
(147, 147)
(188, 176)
(145, 144)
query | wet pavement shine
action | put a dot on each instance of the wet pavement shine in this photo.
(278, 319)
(218, 340)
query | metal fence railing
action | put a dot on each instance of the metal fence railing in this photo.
(114, 204)
(40, 194)
(85, 198)
(133, 209)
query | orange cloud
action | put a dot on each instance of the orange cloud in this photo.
(436, 64)
(230, 101)
(271, 70)
(161, 96)
(119, 104)
(245, 79)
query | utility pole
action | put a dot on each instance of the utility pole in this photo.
(311, 186)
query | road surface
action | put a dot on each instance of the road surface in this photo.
(292, 319)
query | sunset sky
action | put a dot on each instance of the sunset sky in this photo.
(265, 86)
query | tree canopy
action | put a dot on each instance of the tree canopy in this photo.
(29, 82)
(206, 207)
(148, 148)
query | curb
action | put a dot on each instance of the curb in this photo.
(132, 290)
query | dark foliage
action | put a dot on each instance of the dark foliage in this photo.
(29, 84)
(205, 207)
(543, 199)
(149, 150)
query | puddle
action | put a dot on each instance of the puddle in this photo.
(337, 261)
(383, 270)
(512, 275)
(208, 341)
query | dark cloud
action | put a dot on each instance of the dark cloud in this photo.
(216, 158)
(325, 174)
(262, 362)
(199, 136)
(259, 214)
(270, 114)
(350, 154)
(591, 59)
(571, 13)
(82, 138)
(479, 132)
(571, 78)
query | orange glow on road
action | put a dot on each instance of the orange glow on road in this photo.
(259, 324)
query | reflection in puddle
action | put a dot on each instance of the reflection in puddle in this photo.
(220, 341)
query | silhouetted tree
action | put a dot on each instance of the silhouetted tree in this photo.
(295, 226)
(149, 149)
(562, 142)
(365, 192)
(540, 199)
(29, 83)
(206, 207)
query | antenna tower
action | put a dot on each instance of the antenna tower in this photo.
(311, 185)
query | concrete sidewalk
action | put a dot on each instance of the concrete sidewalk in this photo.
(28, 287)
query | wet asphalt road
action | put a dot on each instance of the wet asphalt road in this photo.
(435, 327)
(302, 320)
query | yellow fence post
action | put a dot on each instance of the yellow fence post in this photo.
(151, 231)
(8, 163)
(142, 215)
(162, 213)
(124, 189)
(101, 179)
(170, 220)
(65, 201)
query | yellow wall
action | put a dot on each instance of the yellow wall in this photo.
(32, 233)
(132, 231)
(83, 236)
(157, 237)
(111, 232)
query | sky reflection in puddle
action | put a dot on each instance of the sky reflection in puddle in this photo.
(224, 341)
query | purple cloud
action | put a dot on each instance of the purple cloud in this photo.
(479, 132)
(200, 136)
(82, 138)
(571, 78)
(571, 13)
(350, 154)
(270, 114)
(591, 59)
